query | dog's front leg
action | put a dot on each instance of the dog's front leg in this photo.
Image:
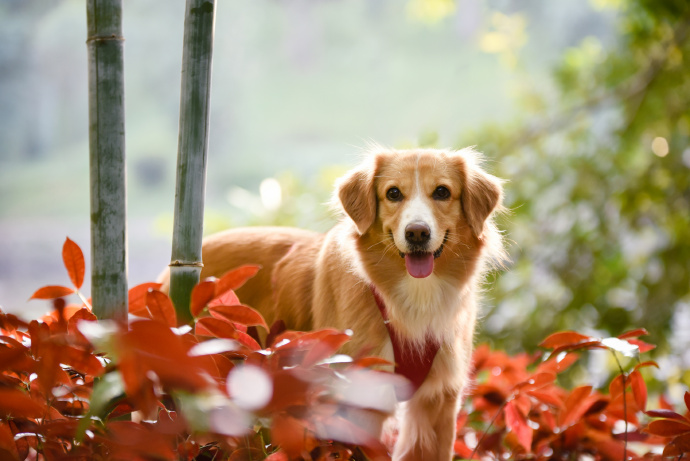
(427, 428)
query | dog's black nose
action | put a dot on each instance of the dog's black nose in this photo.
(417, 233)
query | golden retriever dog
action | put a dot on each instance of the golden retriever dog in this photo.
(402, 270)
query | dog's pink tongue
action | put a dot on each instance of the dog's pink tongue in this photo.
(419, 265)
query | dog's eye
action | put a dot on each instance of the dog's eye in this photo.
(394, 195)
(441, 193)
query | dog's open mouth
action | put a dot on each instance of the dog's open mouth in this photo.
(420, 264)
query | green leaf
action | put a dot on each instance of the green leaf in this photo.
(106, 392)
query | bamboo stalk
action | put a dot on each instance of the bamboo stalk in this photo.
(107, 158)
(185, 262)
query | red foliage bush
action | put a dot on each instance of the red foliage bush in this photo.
(72, 387)
(532, 417)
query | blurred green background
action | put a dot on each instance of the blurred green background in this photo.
(581, 105)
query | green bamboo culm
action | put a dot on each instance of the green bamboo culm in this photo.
(197, 54)
(107, 158)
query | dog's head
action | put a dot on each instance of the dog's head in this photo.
(421, 202)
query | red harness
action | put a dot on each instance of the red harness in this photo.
(412, 365)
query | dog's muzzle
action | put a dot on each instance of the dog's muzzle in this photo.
(419, 261)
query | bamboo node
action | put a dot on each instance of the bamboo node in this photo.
(105, 38)
(177, 263)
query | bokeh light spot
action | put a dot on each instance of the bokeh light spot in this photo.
(249, 387)
(660, 146)
(271, 194)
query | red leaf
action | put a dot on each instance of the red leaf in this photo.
(245, 454)
(667, 414)
(135, 381)
(69, 310)
(687, 400)
(277, 456)
(188, 450)
(639, 389)
(616, 387)
(223, 364)
(229, 298)
(239, 313)
(518, 424)
(209, 326)
(19, 404)
(161, 308)
(597, 406)
(678, 447)
(547, 398)
(277, 328)
(367, 362)
(553, 365)
(121, 409)
(480, 356)
(11, 322)
(51, 292)
(611, 449)
(137, 298)
(248, 341)
(563, 338)
(81, 314)
(290, 434)
(633, 333)
(23, 445)
(631, 436)
(575, 405)
(593, 344)
(667, 427)
(202, 294)
(461, 449)
(537, 381)
(236, 278)
(307, 338)
(643, 346)
(152, 345)
(523, 404)
(664, 403)
(492, 394)
(81, 361)
(292, 389)
(73, 258)
(14, 359)
(138, 441)
(648, 363)
(324, 348)
(7, 445)
(49, 371)
(287, 339)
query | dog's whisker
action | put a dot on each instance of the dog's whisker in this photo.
(377, 243)
(385, 251)
(457, 241)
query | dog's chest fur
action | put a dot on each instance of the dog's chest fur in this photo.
(423, 309)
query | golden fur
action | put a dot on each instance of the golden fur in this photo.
(312, 280)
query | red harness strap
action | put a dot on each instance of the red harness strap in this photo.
(411, 364)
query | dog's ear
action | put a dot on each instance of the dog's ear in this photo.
(482, 193)
(357, 196)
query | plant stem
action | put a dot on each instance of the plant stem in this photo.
(84, 300)
(625, 404)
(493, 420)
(107, 158)
(186, 263)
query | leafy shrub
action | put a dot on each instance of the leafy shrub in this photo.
(72, 387)
(518, 410)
